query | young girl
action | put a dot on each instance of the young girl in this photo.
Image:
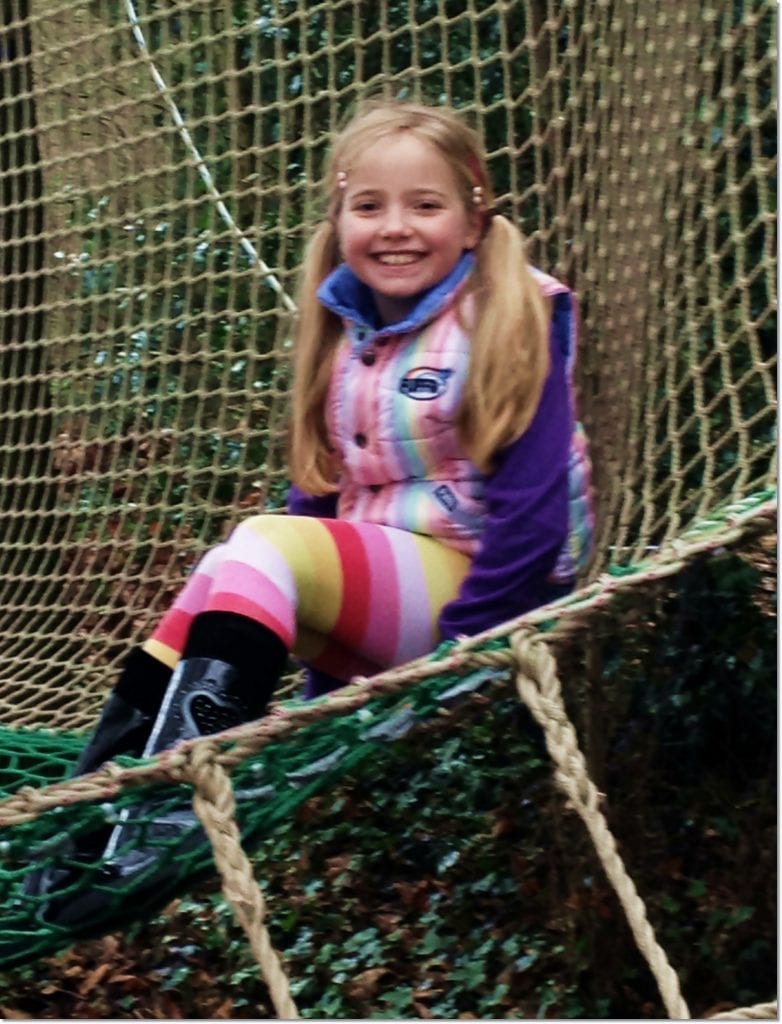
(440, 483)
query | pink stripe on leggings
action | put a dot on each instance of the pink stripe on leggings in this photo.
(381, 638)
(256, 589)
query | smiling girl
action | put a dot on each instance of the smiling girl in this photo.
(441, 483)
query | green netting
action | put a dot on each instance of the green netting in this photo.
(268, 783)
(159, 173)
(267, 789)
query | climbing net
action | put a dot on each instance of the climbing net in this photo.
(159, 167)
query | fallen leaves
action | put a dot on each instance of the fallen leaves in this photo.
(116, 976)
(365, 985)
(92, 979)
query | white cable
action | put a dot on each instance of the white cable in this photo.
(203, 170)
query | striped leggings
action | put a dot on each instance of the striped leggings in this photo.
(346, 598)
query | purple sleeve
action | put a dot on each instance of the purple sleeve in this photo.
(527, 524)
(322, 506)
(317, 683)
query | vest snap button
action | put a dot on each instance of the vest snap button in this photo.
(360, 440)
(368, 358)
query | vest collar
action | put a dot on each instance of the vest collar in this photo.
(345, 295)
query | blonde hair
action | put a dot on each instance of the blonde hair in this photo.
(509, 357)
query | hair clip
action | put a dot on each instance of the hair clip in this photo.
(477, 195)
(342, 179)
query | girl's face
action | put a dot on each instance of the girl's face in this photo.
(403, 224)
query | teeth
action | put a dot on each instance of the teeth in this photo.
(397, 258)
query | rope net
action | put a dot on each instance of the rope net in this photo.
(159, 177)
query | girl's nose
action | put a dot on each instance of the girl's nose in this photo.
(395, 222)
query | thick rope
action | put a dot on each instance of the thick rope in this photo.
(760, 1011)
(540, 690)
(214, 803)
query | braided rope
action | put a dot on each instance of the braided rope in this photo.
(760, 1011)
(214, 803)
(540, 690)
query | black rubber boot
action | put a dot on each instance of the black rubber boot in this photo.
(205, 695)
(124, 727)
(129, 712)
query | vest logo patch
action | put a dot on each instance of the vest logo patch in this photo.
(425, 383)
(446, 497)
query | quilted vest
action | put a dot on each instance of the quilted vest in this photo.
(391, 406)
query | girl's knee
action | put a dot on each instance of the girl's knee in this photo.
(254, 522)
(263, 525)
(281, 532)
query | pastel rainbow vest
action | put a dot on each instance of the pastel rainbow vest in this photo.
(391, 407)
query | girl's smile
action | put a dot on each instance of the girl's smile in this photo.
(397, 259)
(403, 224)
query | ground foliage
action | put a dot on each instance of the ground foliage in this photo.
(446, 880)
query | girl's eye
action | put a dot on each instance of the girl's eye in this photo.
(365, 206)
(428, 205)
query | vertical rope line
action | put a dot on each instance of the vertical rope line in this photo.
(646, 48)
(666, 78)
(215, 805)
(533, 41)
(360, 48)
(475, 60)
(443, 24)
(759, 165)
(692, 171)
(203, 170)
(735, 239)
(540, 689)
(604, 305)
(415, 53)
(634, 194)
(556, 126)
(710, 70)
(572, 214)
(695, 171)
(508, 107)
(614, 518)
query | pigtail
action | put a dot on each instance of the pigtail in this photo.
(509, 351)
(312, 462)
